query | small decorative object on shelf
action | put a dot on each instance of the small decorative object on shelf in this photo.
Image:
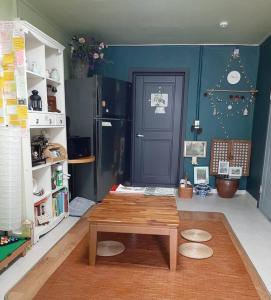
(38, 145)
(84, 55)
(55, 152)
(35, 101)
(43, 219)
(27, 229)
(59, 176)
(34, 66)
(54, 74)
(51, 98)
(202, 189)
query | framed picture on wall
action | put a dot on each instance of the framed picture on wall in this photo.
(235, 172)
(201, 175)
(195, 148)
(223, 167)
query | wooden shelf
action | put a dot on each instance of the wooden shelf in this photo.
(34, 75)
(82, 160)
(51, 80)
(41, 166)
(57, 189)
(47, 165)
(42, 229)
(39, 198)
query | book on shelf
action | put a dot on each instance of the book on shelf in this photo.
(59, 203)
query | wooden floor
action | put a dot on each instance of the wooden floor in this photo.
(141, 271)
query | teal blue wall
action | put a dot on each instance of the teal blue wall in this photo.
(215, 58)
(260, 123)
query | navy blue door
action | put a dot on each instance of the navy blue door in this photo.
(157, 129)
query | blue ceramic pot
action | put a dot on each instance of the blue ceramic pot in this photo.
(202, 189)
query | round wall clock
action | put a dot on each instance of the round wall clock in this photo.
(233, 77)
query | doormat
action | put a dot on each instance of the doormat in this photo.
(148, 191)
(141, 271)
(78, 206)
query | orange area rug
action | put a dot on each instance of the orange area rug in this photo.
(141, 271)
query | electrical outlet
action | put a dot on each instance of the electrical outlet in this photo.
(196, 123)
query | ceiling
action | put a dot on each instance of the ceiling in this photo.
(162, 21)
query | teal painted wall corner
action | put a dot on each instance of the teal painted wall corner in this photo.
(214, 62)
(260, 124)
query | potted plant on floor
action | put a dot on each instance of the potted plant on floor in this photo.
(226, 187)
(227, 182)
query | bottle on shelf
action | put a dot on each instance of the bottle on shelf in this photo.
(59, 176)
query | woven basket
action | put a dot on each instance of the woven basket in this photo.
(48, 153)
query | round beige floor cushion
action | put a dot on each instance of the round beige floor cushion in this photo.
(196, 235)
(195, 250)
(109, 248)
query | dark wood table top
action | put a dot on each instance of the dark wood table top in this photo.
(136, 209)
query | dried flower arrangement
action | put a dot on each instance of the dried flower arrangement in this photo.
(84, 55)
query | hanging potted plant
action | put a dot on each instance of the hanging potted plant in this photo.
(84, 55)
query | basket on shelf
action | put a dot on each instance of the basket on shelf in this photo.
(55, 152)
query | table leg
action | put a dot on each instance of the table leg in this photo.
(92, 244)
(173, 244)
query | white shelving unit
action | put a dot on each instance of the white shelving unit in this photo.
(43, 53)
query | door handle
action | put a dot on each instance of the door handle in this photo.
(140, 135)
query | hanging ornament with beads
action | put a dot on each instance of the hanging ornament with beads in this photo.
(227, 103)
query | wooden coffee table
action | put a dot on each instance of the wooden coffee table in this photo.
(139, 214)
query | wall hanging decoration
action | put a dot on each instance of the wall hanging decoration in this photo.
(235, 172)
(201, 175)
(159, 101)
(13, 92)
(236, 152)
(230, 159)
(195, 149)
(85, 55)
(226, 103)
(223, 167)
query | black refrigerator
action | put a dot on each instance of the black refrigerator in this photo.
(101, 108)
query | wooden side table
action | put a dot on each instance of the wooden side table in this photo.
(74, 163)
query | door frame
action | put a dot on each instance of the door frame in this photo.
(153, 72)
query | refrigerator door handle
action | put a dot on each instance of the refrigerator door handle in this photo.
(99, 99)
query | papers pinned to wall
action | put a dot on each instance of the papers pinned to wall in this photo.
(13, 91)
